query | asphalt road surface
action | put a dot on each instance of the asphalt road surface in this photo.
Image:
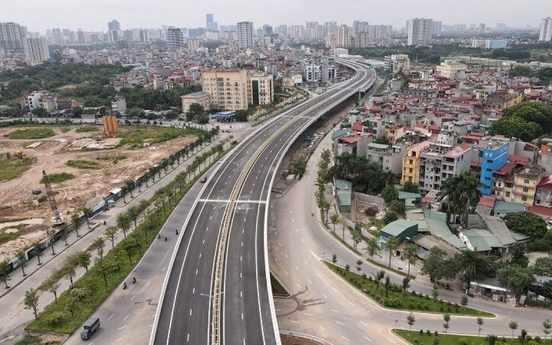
(247, 317)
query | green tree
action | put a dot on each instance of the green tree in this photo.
(83, 258)
(513, 325)
(4, 265)
(69, 271)
(410, 187)
(435, 293)
(437, 266)
(382, 140)
(372, 247)
(37, 251)
(389, 193)
(464, 301)
(195, 112)
(124, 222)
(51, 284)
(359, 265)
(391, 245)
(87, 212)
(492, 339)
(22, 261)
(479, 321)
(405, 286)
(99, 245)
(446, 325)
(470, 263)
(77, 221)
(389, 217)
(334, 219)
(410, 319)
(299, 167)
(546, 327)
(398, 207)
(410, 255)
(111, 233)
(526, 223)
(516, 278)
(378, 277)
(520, 71)
(460, 192)
(31, 301)
(515, 127)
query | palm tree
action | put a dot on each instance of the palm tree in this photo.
(470, 263)
(513, 326)
(480, 323)
(460, 192)
(111, 232)
(405, 285)
(379, 276)
(372, 247)
(334, 219)
(22, 258)
(76, 220)
(4, 265)
(410, 254)
(391, 245)
(37, 251)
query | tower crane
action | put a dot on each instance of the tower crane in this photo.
(57, 219)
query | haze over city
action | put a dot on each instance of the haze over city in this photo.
(39, 16)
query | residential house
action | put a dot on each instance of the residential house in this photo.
(524, 186)
(388, 156)
(200, 97)
(491, 158)
(543, 197)
(503, 100)
(118, 103)
(411, 162)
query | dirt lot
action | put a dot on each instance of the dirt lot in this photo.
(16, 200)
(296, 341)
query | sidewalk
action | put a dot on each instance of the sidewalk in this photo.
(14, 316)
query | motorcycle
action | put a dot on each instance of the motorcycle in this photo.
(124, 286)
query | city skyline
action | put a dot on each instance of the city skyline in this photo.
(139, 14)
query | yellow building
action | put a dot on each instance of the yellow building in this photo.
(503, 100)
(227, 89)
(260, 88)
(523, 186)
(450, 69)
(411, 162)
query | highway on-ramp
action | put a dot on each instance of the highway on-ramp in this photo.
(240, 188)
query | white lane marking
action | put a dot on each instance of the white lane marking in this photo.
(287, 256)
(302, 240)
(286, 272)
(242, 316)
(351, 303)
(190, 312)
(306, 263)
(310, 282)
(242, 244)
(319, 276)
(309, 314)
(133, 297)
(323, 294)
(126, 317)
(197, 271)
(364, 323)
(334, 289)
(339, 323)
(296, 229)
(148, 283)
(121, 338)
(276, 259)
(188, 337)
(120, 328)
(365, 337)
(293, 321)
(298, 285)
(335, 311)
(241, 274)
(109, 318)
(391, 340)
(279, 244)
(164, 268)
(321, 327)
(297, 268)
(241, 293)
(241, 258)
(203, 242)
(344, 337)
(200, 255)
(193, 291)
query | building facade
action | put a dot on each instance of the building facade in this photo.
(200, 97)
(411, 162)
(419, 31)
(546, 30)
(260, 89)
(450, 70)
(492, 158)
(11, 36)
(245, 34)
(175, 39)
(524, 186)
(227, 89)
(36, 50)
(343, 38)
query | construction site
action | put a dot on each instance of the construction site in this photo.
(80, 163)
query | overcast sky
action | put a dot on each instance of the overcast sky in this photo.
(39, 15)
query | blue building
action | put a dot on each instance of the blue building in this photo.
(492, 158)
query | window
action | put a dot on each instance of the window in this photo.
(507, 194)
(525, 189)
(526, 181)
(524, 198)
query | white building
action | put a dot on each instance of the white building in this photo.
(260, 88)
(11, 36)
(200, 97)
(546, 29)
(419, 31)
(245, 34)
(313, 73)
(175, 39)
(118, 103)
(41, 99)
(343, 38)
(36, 50)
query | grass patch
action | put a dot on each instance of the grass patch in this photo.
(30, 340)
(57, 178)
(65, 129)
(85, 129)
(117, 263)
(277, 288)
(396, 299)
(414, 337)
(12, 168)
(113, 159)
(32, 133)
(83, 164)
(136, 137)
(5, 237)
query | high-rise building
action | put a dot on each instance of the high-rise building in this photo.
(175, 39)
(260, 88)
(546, 29)
(36, 49)
(245, 34)
(11, 36)
(227, 89)
(437, 27)
(57, 37)
(209, 21)
(419, 31)
(343, 38)
(359, 27)
(114, 25)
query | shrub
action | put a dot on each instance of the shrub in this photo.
(421, 332)
(371, 211)
(436, 333)
(428, 332)
(393, 303)
(463, 341)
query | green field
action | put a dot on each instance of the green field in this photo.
(85, 129)
(83, 164)
(31, 133)
(12, 168)
(57, 178)
(113, 159)
(414, 337)
(396, 299)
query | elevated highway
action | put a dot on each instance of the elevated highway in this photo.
(217, 289)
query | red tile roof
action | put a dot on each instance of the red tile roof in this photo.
(506, 169)
(517, 159)
(349, 140)
(357, 126)
(546, 182)
(541, 210)
(487, 200)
